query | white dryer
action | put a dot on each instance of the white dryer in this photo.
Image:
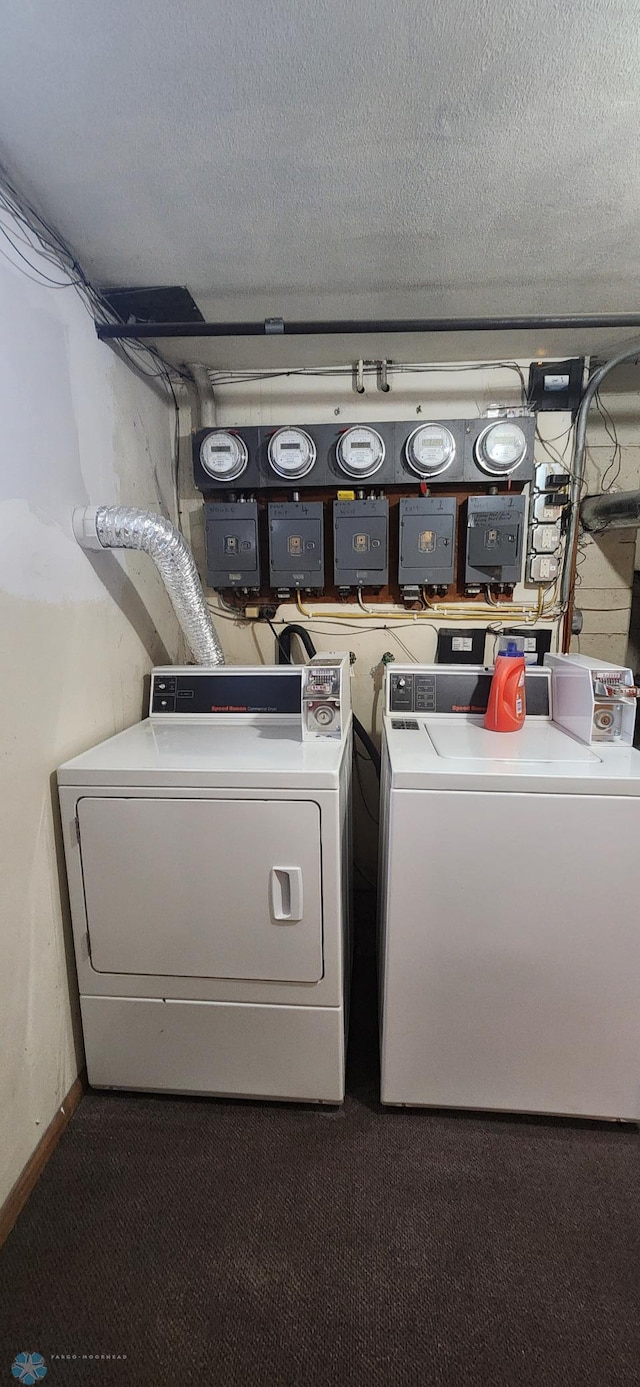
(510, 881)
(208, 858)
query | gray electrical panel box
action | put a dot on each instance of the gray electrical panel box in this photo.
(495, 530)
(360, 543)
(296, 550)
(427, 541)
(233, 556)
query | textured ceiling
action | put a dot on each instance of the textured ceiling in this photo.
(318, 158)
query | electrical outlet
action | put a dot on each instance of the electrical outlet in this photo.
(544, 470)
(544, 568)
(545, 539)
(544, 512)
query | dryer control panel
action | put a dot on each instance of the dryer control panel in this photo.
(227, 691)
(317, 696)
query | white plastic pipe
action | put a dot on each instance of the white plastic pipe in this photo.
(125, 527)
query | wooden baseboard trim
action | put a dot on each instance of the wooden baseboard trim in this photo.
(17, 1198)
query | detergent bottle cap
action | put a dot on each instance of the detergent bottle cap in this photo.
(511, 645)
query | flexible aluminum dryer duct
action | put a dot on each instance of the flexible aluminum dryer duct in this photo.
(124, 527)
(618, 510)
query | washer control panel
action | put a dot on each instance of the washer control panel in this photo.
(413, 693)
(458, 689)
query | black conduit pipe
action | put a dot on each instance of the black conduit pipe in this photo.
(285, 640)
(277, 327)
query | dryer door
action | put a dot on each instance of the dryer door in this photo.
(209, 888)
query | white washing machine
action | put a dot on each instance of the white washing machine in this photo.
(208, 858)
(510, 882)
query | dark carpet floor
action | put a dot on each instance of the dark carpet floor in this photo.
(238, 1243)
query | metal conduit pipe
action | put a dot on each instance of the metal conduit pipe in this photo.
(125, 527)
(206, 397)
(577, 462)
(616, 511)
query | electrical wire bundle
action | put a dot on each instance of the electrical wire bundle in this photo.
(27, 239)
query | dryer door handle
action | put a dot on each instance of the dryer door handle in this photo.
(285, 892)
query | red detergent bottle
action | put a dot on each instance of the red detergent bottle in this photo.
(506, 709)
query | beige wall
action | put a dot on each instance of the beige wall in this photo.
(78, 635)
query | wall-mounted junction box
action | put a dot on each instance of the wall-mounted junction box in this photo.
(233, 553)
(360, 543)
(427, 541)
(556, 385)
(296, 548)
(495, 528)
(460, 646)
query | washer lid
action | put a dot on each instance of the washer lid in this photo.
(538, 743)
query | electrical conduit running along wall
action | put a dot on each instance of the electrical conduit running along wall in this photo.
(606, 561)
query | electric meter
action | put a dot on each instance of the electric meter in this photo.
(360, 451)
(501, 447)
(430, 449)
(292, 453)
(223, 455)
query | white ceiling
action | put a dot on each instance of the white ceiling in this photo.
(336, 158)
